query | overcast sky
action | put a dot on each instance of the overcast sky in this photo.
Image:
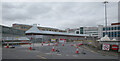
(60, 15)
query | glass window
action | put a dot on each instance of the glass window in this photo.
(112, 28)
(115, 34)
(115, 28)
(119, 28)
(109, 34)
(103, 29)
(24, 27)
(112, 34)
(77, 32)
(103, 34)
(118, 34)
(109, 28)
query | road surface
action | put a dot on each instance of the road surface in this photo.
(45, 52)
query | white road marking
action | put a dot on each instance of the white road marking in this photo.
(41, 57)
(58, 54)
(67, 55)
(75, 55)
(47, 53)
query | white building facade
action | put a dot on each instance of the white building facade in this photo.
(91, 31)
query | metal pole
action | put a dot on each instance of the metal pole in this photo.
(33, 41)
(105, 17)
(12, 36)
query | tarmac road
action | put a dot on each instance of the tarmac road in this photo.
(45, 52)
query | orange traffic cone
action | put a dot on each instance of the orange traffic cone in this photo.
(77, 51)
(63, 44)
(53, 49)
(56, 44)
(7, 45)
(30, 48)
(71, 44)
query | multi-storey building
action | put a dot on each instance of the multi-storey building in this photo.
(113, 31)
(91, 31)
(26, 27)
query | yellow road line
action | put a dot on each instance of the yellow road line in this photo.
(41, 57)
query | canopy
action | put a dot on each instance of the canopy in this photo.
(35, 30)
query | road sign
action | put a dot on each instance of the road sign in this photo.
(53, 40)
(115, 47)
(106, 46)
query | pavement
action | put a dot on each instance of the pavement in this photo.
(45, 52)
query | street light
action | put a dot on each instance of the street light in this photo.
(105, 2)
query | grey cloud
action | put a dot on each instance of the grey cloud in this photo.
(60, 15)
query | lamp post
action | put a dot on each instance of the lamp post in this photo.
(12, 36)
(105, 2)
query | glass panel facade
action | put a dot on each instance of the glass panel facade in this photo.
(103, 34)
(103, 29)
(8, 30)
(119, 28)
(118, 34)
(81, 30)
(112, 31)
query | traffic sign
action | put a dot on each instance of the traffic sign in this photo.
(106, 46)
(115, 47)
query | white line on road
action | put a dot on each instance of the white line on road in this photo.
(75, 55)
(67, 55)
(41, 57)
(47, 53)
(58, 54)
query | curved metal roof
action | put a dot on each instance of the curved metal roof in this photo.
(34, 29)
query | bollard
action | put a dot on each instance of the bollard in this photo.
(71, 44)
